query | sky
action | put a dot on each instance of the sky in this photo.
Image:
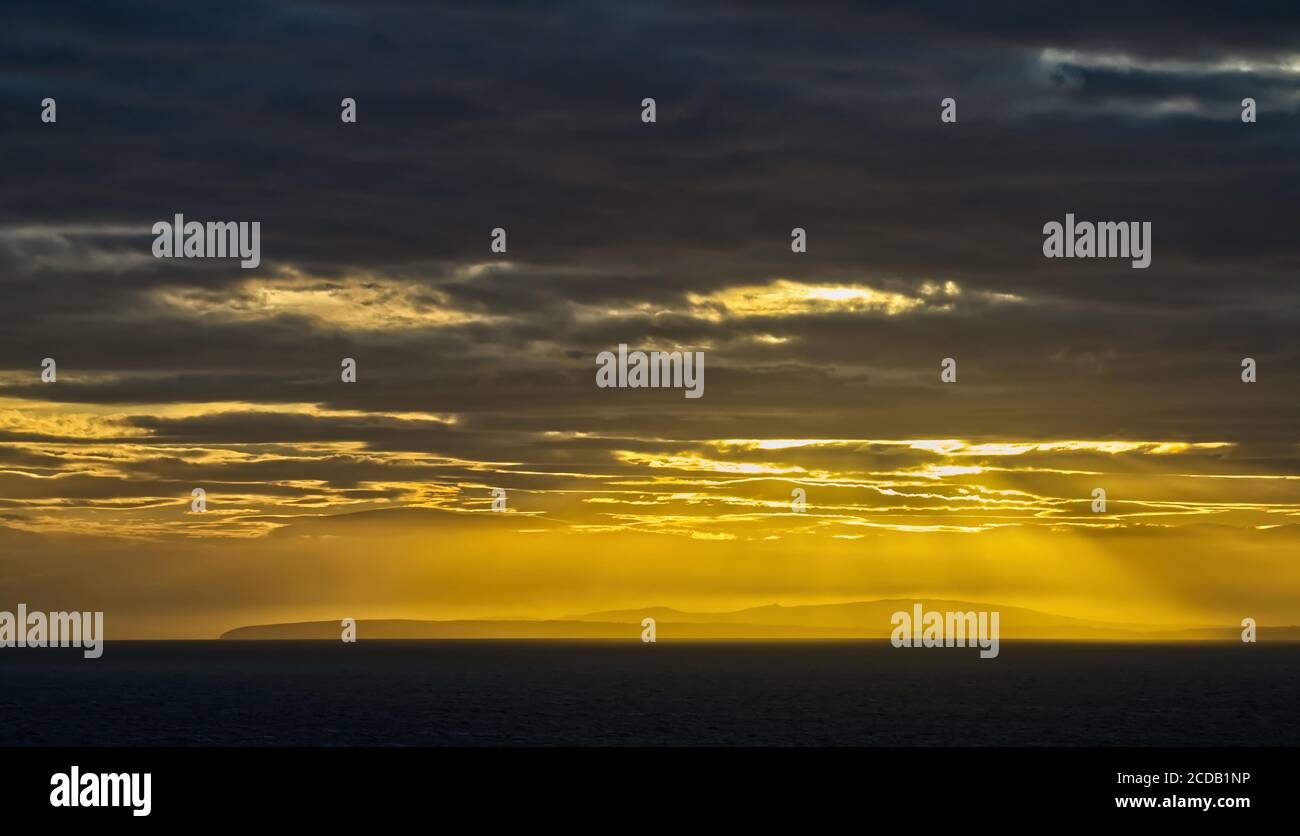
(477, 369)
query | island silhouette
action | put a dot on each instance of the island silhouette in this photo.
(853, 620)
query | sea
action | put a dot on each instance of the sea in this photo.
(601, 693)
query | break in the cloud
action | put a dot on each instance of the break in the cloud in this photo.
(476, 369)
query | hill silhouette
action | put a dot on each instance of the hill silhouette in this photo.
(854, 620)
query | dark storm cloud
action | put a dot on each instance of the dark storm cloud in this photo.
(481, 115)
(475, 116)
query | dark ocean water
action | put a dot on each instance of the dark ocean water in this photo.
(424, 693)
